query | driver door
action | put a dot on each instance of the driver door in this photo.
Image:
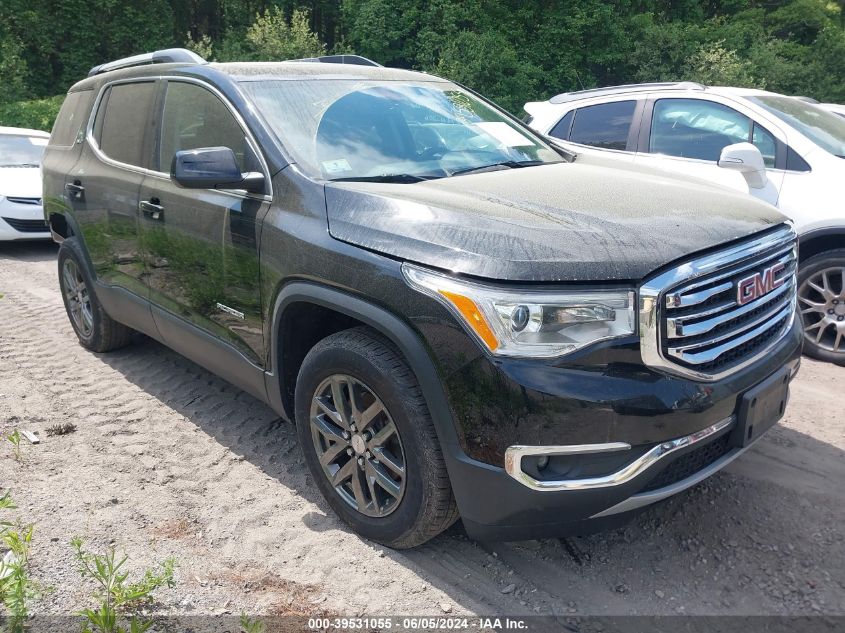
(201, 245)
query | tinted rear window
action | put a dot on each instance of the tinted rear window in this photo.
(606, 125)
(70, 118)
(121, 133)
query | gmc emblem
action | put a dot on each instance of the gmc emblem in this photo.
(759, 284)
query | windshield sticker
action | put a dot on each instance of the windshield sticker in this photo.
(336, 166)
(504, 133)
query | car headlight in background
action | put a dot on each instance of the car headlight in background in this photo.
(530, 323)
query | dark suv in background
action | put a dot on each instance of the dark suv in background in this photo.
(461, 318)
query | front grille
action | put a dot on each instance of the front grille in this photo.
(27, 226)
(35, 201)
(702, 325)
(690, 463)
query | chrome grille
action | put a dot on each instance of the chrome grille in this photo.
(695, 320)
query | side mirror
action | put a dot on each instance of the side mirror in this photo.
(746, 159)
(210, 167)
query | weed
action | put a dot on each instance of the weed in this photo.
(250, 625)
(15, 438)
(60, 429)
(118, 597)
(16, 588)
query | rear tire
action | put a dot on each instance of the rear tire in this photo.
(360, 410)
(95, 329)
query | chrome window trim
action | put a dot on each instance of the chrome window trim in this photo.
(92, 143)
(653, 293)
(515, 454)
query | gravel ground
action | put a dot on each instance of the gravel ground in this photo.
(168, 460)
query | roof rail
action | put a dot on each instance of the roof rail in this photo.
(165, 56)
(610, 90)
(357, 60)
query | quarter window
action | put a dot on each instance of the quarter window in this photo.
(122, 121)
(794, 162)
(699, 129)
(193, 118)
(561, 130)
(606, 126)
(69, 119)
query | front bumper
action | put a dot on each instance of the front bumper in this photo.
(22, 220)
(675, 433)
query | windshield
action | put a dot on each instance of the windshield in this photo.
(21, 151)
(820, 126)
(340, 129)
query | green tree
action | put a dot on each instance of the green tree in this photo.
(274, 37)
(717, 66)
(12, 67)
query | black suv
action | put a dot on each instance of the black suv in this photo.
(461, 318)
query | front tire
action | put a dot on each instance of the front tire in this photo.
(95, 329)
(821, 303)
(369, 440)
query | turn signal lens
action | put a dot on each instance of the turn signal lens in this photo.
(473, 317)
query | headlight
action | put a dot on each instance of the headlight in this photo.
(530, 323)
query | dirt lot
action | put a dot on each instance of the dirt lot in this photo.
(169, 460)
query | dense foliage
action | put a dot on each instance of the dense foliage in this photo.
(510, 50)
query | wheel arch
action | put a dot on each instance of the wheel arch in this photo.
(820, 240)
(355, 311)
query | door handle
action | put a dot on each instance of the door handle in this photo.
(75, 189)
(152, 209)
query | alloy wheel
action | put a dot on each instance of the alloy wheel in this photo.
(821, 301)
(358, 445)
(78, 298)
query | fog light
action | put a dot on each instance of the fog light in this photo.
(542, 462)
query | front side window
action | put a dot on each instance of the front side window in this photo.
(195, 117)
(606, 125)
(820, 126)
(694, 128)
(21, 151)
(339, 129)
(763, 140)
(121, 121)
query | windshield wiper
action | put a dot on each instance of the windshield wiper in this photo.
(401, 178)
(512, 164)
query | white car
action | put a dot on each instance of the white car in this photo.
(835, 108)
(786, 151)
(21, 214)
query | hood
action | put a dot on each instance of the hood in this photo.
(581, 221)
(20, 182)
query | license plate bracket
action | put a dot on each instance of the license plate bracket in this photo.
(761, 407)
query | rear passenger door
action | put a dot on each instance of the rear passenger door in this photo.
(103, 185)
(63, 152)
(687, 136)
(609, 128)
(201, 245)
